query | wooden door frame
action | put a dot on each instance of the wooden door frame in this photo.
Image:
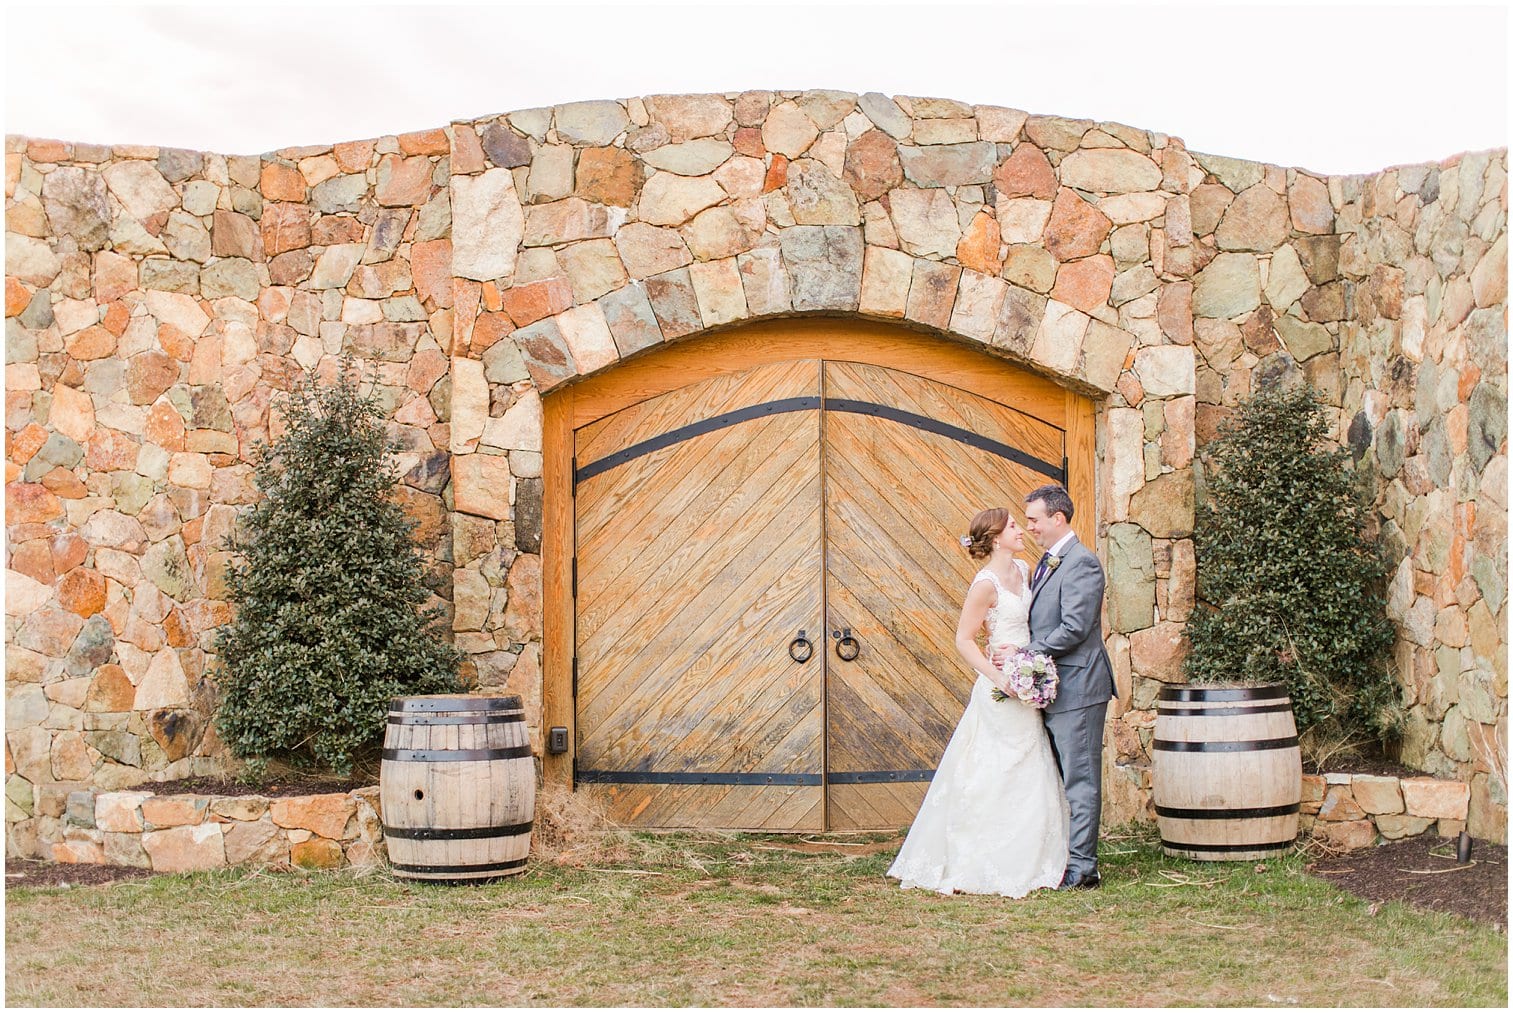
(691, 360)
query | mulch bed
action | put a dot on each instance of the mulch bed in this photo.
(1378, 765)
(1422, 871)
(276, 786)
(31, 873)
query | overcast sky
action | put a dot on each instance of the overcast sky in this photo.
(1349, 88)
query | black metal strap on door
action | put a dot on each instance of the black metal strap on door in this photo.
(956, 433)
(691, 777)
(878, 776)
(718, 777)
(800, 404)
(688, 432)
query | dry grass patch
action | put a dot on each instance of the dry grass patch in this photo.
(710, 919)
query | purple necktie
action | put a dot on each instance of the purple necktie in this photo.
(1041, 569)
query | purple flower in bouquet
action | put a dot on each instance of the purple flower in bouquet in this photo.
(1031, 677)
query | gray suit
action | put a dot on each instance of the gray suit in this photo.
(1066, 623)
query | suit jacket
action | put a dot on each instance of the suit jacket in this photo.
(1066, 622)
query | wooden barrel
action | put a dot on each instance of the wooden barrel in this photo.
(458, 787)
(1226, 771)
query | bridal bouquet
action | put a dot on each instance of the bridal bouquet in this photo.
(1031, 676)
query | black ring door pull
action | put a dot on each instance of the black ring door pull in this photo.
(800, 649)
(847, 647)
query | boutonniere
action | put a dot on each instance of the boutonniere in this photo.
(1052, 563)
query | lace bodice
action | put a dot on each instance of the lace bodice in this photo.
(1008, 620)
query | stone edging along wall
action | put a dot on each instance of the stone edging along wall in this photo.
(1350, 811)
(190, 833)
(157, 300)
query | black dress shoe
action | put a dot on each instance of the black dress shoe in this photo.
(1080, 881)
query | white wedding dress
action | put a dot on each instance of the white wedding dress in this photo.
(995, 818)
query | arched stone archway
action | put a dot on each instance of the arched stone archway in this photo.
(636, 460)
(587, 235)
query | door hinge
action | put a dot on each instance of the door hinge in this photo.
(575, 576)
(575, 677)
(575, 475)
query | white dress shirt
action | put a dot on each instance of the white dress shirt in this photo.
(1062, 543)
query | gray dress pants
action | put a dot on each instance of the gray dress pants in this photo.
(1077, 741)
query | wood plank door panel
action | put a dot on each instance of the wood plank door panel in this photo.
(699, 552)
(714, 521)
(908, 462)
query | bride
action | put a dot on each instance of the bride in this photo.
(995, 817)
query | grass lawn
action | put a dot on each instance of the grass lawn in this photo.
(744, 920)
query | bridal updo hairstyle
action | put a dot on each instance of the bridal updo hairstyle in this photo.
(986, 526)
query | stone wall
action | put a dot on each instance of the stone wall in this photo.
(192, 833)
(1423, 372)
(157, 301)
(1388, 293)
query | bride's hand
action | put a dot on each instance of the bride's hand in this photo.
(996, 678)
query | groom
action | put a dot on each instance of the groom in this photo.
(1065, 622)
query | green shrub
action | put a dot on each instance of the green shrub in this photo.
(1291, 586)
(327, 620)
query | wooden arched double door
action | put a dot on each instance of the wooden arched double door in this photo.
(768, 571)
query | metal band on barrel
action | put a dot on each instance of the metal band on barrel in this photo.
(455, 755)
(1223, 695)
(454, 704)
(1238, 746)
(517, 863)
(516, 717)
(1227, 848)
(1257, 812)
(457, 833)
(1219, 712)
